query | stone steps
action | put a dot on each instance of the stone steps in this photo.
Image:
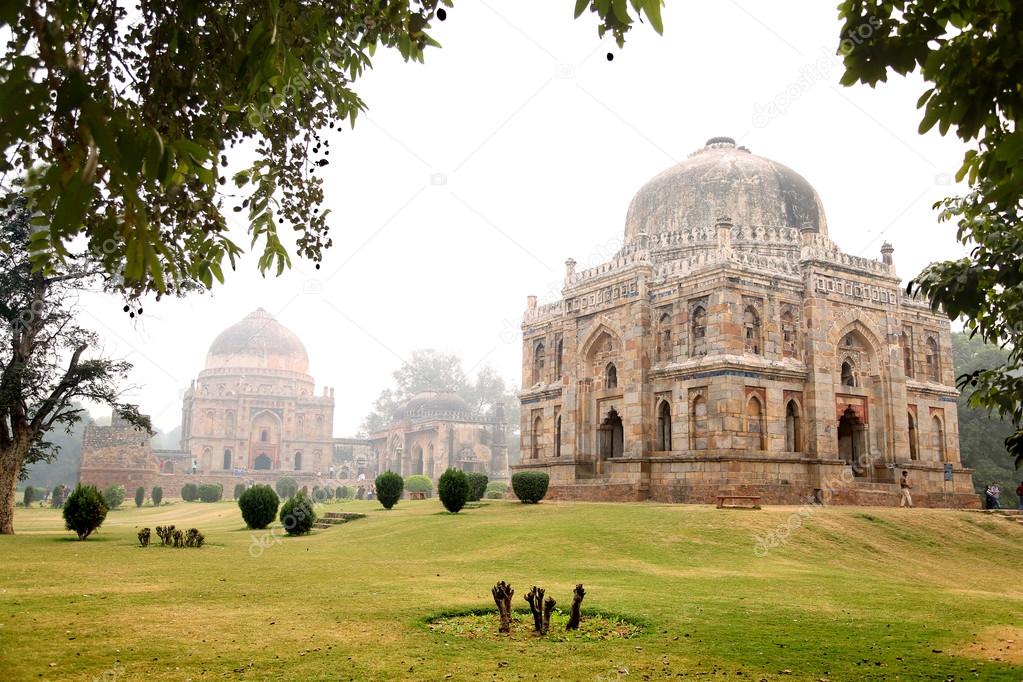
(330, 519)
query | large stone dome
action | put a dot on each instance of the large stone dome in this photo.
(429, 402)
(258, 342)
(722, 180)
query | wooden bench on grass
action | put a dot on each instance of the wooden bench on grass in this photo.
(738, 502)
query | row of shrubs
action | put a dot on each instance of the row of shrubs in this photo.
(456, 487)
(175, 538)
(259, 506)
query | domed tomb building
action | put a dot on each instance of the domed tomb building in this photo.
(731, 348)
(253, 406)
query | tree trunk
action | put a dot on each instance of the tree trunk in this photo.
(548, 606)
(577, 600)
(10, 464)
(503, 593)
(535, 600)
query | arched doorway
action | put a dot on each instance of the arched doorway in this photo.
(851, 447)
(664, 426)
(938, 438)
(417, 460)
(914, 442)
(227, 459)
(755, 424)
(262, 462)
(537, 435)
(298, 461)
(793, 430)
(611, 436)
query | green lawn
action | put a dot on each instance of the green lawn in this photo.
(854, 594)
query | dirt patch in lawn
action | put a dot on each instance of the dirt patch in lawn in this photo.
(1003, 644)
(594, 627)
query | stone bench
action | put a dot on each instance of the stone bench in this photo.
(415, 495)
(738, 502)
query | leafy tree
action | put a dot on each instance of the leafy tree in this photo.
(453, 490)
(47, 361)
(156, 495)
(981, 434)
(418, 483)
(389, 487)
(286, 486)
(28, 496)
(239, 488)
(190, 492)
(120, 120)
(259, 506)
(84, 510)
(140, 496)
(968, 53)
(477, 486)
(210, 492)
(113, 495)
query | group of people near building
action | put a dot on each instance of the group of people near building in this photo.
(992, 494)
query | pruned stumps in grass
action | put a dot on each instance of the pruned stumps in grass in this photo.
(503, 594)
(577, 601)
(144, 536)
(548, 606)
(535, 600)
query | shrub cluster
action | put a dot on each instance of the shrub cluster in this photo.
(453, 489)
(239, 488)
(477, 486)
(60, 492)
(298, 515)
(144, 536)
(176, 538)
(190, 492)
(418, 483)
(530, 486)
(345, 492)
(389, 486)
(140, 496)
(286, 486)
(156, 495)
(496, 490)
(210, 492)
(259, 506)
(113, 495)
(322, 494)
(28, 496)
(84, 510)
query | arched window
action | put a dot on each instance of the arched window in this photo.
(664, 349)
(538, 362)
(664, 426)
(557, 436)
(848, 378)
(559, 355)
(788, 335)
(298, 461)
(698, 424)
(751, 327)
(793, 428)
(610, 376)
(264, 436)
(755, 422)
(906, 343)
(699, 331)
(933, 362)
(938, 438)
(914, 442)
(537, 435)
(227, 458)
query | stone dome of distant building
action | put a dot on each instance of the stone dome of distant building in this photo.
(258, 342)
(724, 180)
(435, 401)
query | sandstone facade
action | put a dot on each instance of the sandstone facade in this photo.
(739, 354)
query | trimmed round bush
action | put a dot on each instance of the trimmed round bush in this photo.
(340, 493)
(286, 486)
(239, 488)
(389, 487)
(497, 487)
(418, 483)
(156, 495)
(140, 496)
(211, 492)
(298, 515)
(57, 497)
(113, 495)
(190, 492)
(84, 510)
(28, 496)
(530, 486)
(453, 489)
(477, 486)
(320, 494)
(259, 506)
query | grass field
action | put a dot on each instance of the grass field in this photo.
(853, 594)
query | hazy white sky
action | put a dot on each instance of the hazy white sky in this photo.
(472, 178)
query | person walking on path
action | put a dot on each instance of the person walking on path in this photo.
(904, 486)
